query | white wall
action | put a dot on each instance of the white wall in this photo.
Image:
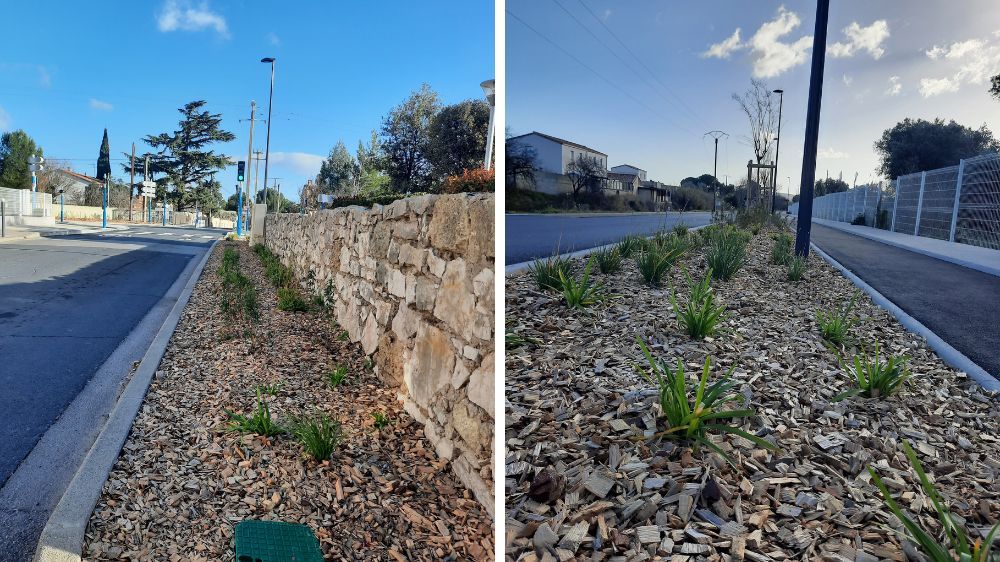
(554, 157)
(571, 153)
(626, 169)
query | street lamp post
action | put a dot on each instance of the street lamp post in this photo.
(803, 227)
(267, 148)
(777, 147)
(489, 88)
(715, 167)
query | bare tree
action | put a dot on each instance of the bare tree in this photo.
(521, 165)
(762, 113)
(586, 175)
(51, 179)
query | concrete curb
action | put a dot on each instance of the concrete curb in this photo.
(518, 267)
(917, 250)
(945, 351)
(62, 538)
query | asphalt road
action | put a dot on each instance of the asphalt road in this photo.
(538, 236)
(73, 310)
(957, 303)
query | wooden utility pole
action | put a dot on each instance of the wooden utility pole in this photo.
(131, 181)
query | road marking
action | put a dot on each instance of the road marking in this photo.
(208, 237)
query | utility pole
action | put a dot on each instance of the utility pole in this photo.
(803, 227)
(253, 110)
(277, 192)
(270, 100)
(256, 174)
(715, 168)
(131, 182)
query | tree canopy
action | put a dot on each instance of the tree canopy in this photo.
(339, 172)
(405, 135)
(183, 158)
(104, 158)
(829, 185)
(915, 145)
(457, 137)
(15, 149)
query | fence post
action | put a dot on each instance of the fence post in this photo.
(895, 203)
(878, 202)
(920, 204)
(958, 193)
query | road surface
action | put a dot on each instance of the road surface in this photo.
(538, 236)
(957, 303)
(73, 310)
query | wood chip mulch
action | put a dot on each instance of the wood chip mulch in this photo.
(182, 481)
(585, 480)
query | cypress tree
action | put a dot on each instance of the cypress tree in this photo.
(104, 158)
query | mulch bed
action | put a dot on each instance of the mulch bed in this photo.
(579, 420)
(182, 481)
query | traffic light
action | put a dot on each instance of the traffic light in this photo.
(240, 168)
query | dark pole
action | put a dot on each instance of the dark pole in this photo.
(267, 148)
(715, 174)
(804, 225)
(777, 149)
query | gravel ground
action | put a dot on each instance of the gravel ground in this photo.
(182, 481)
(579, 417)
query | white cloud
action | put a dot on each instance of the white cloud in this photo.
(4, 120)
(859, 38)
(723, 49)
(184, 16)
(100, 105)
(831, 154)
(43, 77)
(301, 162)
(976, 60)
(607, 14)
(273, 39)
(772, 56)
(848, 80)
(935, 86)
(894, 86)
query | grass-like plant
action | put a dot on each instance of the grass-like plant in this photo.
(657, 258)
(280, 275)
(781, 252)
(680, 229)
(629, 245)
(513, 340)
(290, 300)
(549, 271)
(691, 414)
(727, 252)
(336, 376)
(700, 315)
(797, 268)
(959, 545)
(582, 293)
(343, 335)
(609, 260)
(238, 295)
(875, 377)
(381, 420)
(319, 435)
(259, 422)
(270, 389)
(834, 324)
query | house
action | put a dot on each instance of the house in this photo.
(630, 169)
(74, 185)
(653, 191)
(622, 183)
(552, 157)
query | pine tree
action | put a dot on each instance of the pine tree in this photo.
(104, 158)
(15, 149)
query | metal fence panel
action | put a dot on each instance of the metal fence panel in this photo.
(979, 203)
(907, 199)
(939, 198)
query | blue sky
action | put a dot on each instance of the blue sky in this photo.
(884, 63)
(70, 69)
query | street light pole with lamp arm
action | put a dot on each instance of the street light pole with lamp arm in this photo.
(489, 88)
(267, 148)
(777, 147)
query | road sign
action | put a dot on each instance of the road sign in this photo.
(148, 192)
(35, 167)
(149, 184)
(35, 159)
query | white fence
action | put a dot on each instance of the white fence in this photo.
(22, 206)
(959, 203)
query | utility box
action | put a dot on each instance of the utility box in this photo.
(258, 212)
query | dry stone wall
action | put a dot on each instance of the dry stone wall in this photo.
(413, 283)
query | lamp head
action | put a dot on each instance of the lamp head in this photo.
(779, 91)
(489, 88)
(267, 59)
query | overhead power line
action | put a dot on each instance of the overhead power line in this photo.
(598, 74)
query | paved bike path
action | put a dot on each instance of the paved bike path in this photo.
(960, 305)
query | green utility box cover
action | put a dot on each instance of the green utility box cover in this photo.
(275, 541)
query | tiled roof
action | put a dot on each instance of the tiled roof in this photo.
(82, 177)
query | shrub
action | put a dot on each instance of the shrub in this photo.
(688, 413)
(549, 272)
(232, 236)
(629, 245)
(582, 293)
(238, 293)
(260, 422)
(859, 220)
(958, 540)
(289, 299)
(700, 315)
(781, 252)
(797, 268)
(470, 181)
(336, 376)
(875, 378)
(609, 260)
(279, 275)
(727, 252)
(834, 325)
(319, 435)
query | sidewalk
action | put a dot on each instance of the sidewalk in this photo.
(973, 257)
(22, 233)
